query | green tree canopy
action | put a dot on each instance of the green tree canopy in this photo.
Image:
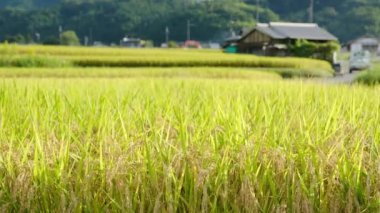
(110, 20)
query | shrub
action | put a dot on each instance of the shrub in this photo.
(306, 49)
(369, 77)
(326, 51)
(148, 44)
(19, 39)
(70, 38)
(51, 41)
(172, 44)
(303, 48)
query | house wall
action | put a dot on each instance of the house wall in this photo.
(356, 47)
(370, 44)
(257, 37)
(254, 43)
(259, 43)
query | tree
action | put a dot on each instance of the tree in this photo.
(69, 38)
(19, 39)
(110, 20)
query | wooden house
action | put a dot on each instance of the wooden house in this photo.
(272, 39)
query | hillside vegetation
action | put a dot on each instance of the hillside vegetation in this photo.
(109, 21)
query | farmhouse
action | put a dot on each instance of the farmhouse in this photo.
(363, 43)
(272, 39)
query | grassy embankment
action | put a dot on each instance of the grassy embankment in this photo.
(370, 77)
(41, 56)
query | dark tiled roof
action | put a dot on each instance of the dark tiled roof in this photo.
(306, 31)
(268, 30)
(367, 40)
(233, 38)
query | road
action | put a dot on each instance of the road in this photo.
(346, 78)
(343, 78)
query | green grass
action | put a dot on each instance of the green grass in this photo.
(188, 145)
(370, 77)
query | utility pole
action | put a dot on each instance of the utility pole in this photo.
(91, 39)
(311, 11)
(189, 25)
(60, 29)
(86, 41)
(257, 11)
(167, 32)
(188, 30)
(38, 37)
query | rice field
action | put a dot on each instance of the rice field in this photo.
(185, 139)
(207, 73)
(45, 56)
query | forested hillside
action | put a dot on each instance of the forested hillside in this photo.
(110, 20)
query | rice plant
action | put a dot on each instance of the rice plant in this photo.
(203, 72)
(17, 56)
(188, 145)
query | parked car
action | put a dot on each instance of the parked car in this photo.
(360, 60)
(337, 67)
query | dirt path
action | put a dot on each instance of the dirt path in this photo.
(346, 78)
(343, 78)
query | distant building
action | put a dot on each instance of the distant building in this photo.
(99, 44)
(230, 44)
(211, 45)
(364, 43)
(272, 39)
(131, 42)
(192, 44)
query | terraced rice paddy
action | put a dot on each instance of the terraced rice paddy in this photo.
(41, 56)
(185, 139)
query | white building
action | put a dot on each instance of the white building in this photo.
(371, 44)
